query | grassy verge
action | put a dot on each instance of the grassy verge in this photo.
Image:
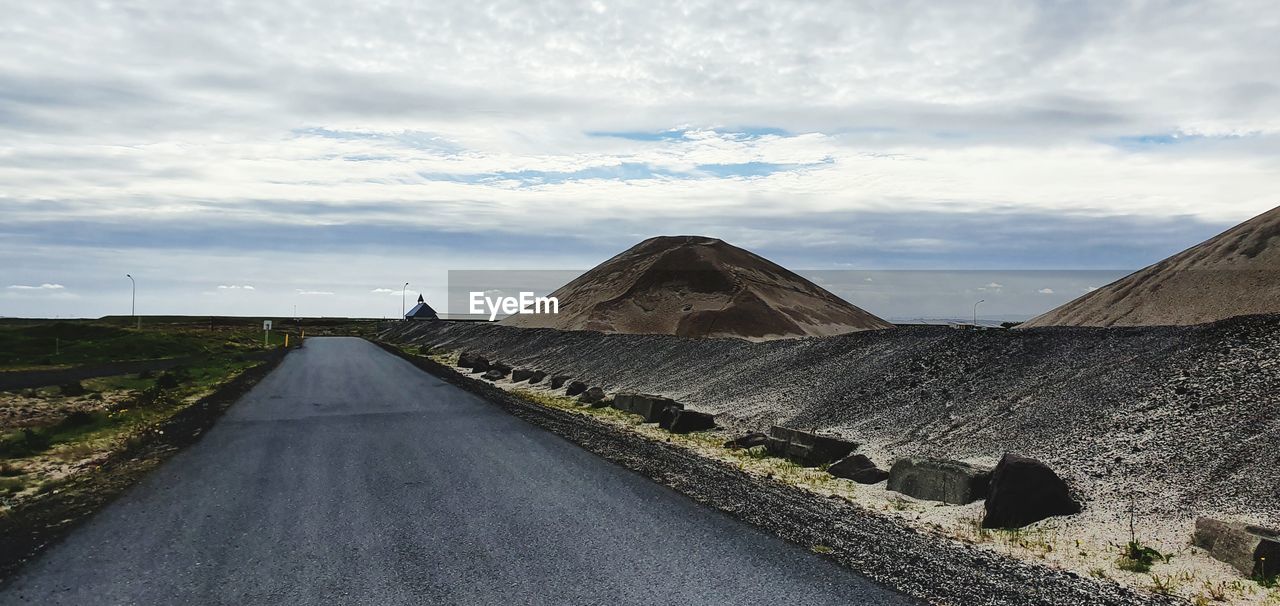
(55, 474)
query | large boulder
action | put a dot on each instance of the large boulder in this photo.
(858, 468)
(520, 374)
(505, 369)
(807, 449)
(536, 377)
(686, 421)
(479, 364)
(1253, 550)
(592, 396)
(939, 480)
(558, 381)
(466, 359)
(492, 375)
(1023, 491)
(750, 440)
(575, 388)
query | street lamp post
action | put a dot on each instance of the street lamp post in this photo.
(402, 291)
(133, 304)
(975, 312)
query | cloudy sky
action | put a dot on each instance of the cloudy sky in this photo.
(247, 157)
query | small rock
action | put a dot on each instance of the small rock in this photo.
(575, 388)
(858, 468)
(750, 440)
(500, 367)
(479, 364)
(685, 421)
(520, 374)
(536, 377)
(1024, 490)
(558, 381)
(591, 396)
(492, 375)
(667, 415)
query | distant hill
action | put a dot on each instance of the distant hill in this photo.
(1235, 273)
(695, 286)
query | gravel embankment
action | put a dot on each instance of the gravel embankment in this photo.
(932, 568)
(1184, 418)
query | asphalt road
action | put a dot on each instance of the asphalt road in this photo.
(349, 476)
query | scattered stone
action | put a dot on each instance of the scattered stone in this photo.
(591, 396)
(939, 480)
(871, 475)
(685, 421)
(537, 377)
(808, 449)
(493, 375)
(622, 401)
(74, 388)
(651, 407)
(520, 374)
(1023, 491)
(575, 388)
(667, 415)
(1253, 550)
(750, 440)
(858, 468)
(558, 381)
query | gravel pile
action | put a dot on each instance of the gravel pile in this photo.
(1183, 420)
(928, 567)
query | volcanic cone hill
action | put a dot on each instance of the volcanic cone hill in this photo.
(1235, 273)
(694, 286)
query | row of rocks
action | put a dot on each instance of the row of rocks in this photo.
(1019, 491)
(667, 413)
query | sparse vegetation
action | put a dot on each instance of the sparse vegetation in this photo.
(1136, 557)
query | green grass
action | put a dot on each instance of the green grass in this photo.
(1136, 557)
(73, 343)
(149, 405)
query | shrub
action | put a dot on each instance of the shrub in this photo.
(168, 380)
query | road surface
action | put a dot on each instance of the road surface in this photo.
(349, 476)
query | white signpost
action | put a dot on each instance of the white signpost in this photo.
(266, 332)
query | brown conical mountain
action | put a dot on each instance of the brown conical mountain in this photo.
(1235, 273)
(693, 286)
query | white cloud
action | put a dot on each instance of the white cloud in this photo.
(1090, 288)
(310, 293)
(994, 285)
(491, 124)
(383, 291)
(1045, 291)
(234, 287)
(45, 286)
